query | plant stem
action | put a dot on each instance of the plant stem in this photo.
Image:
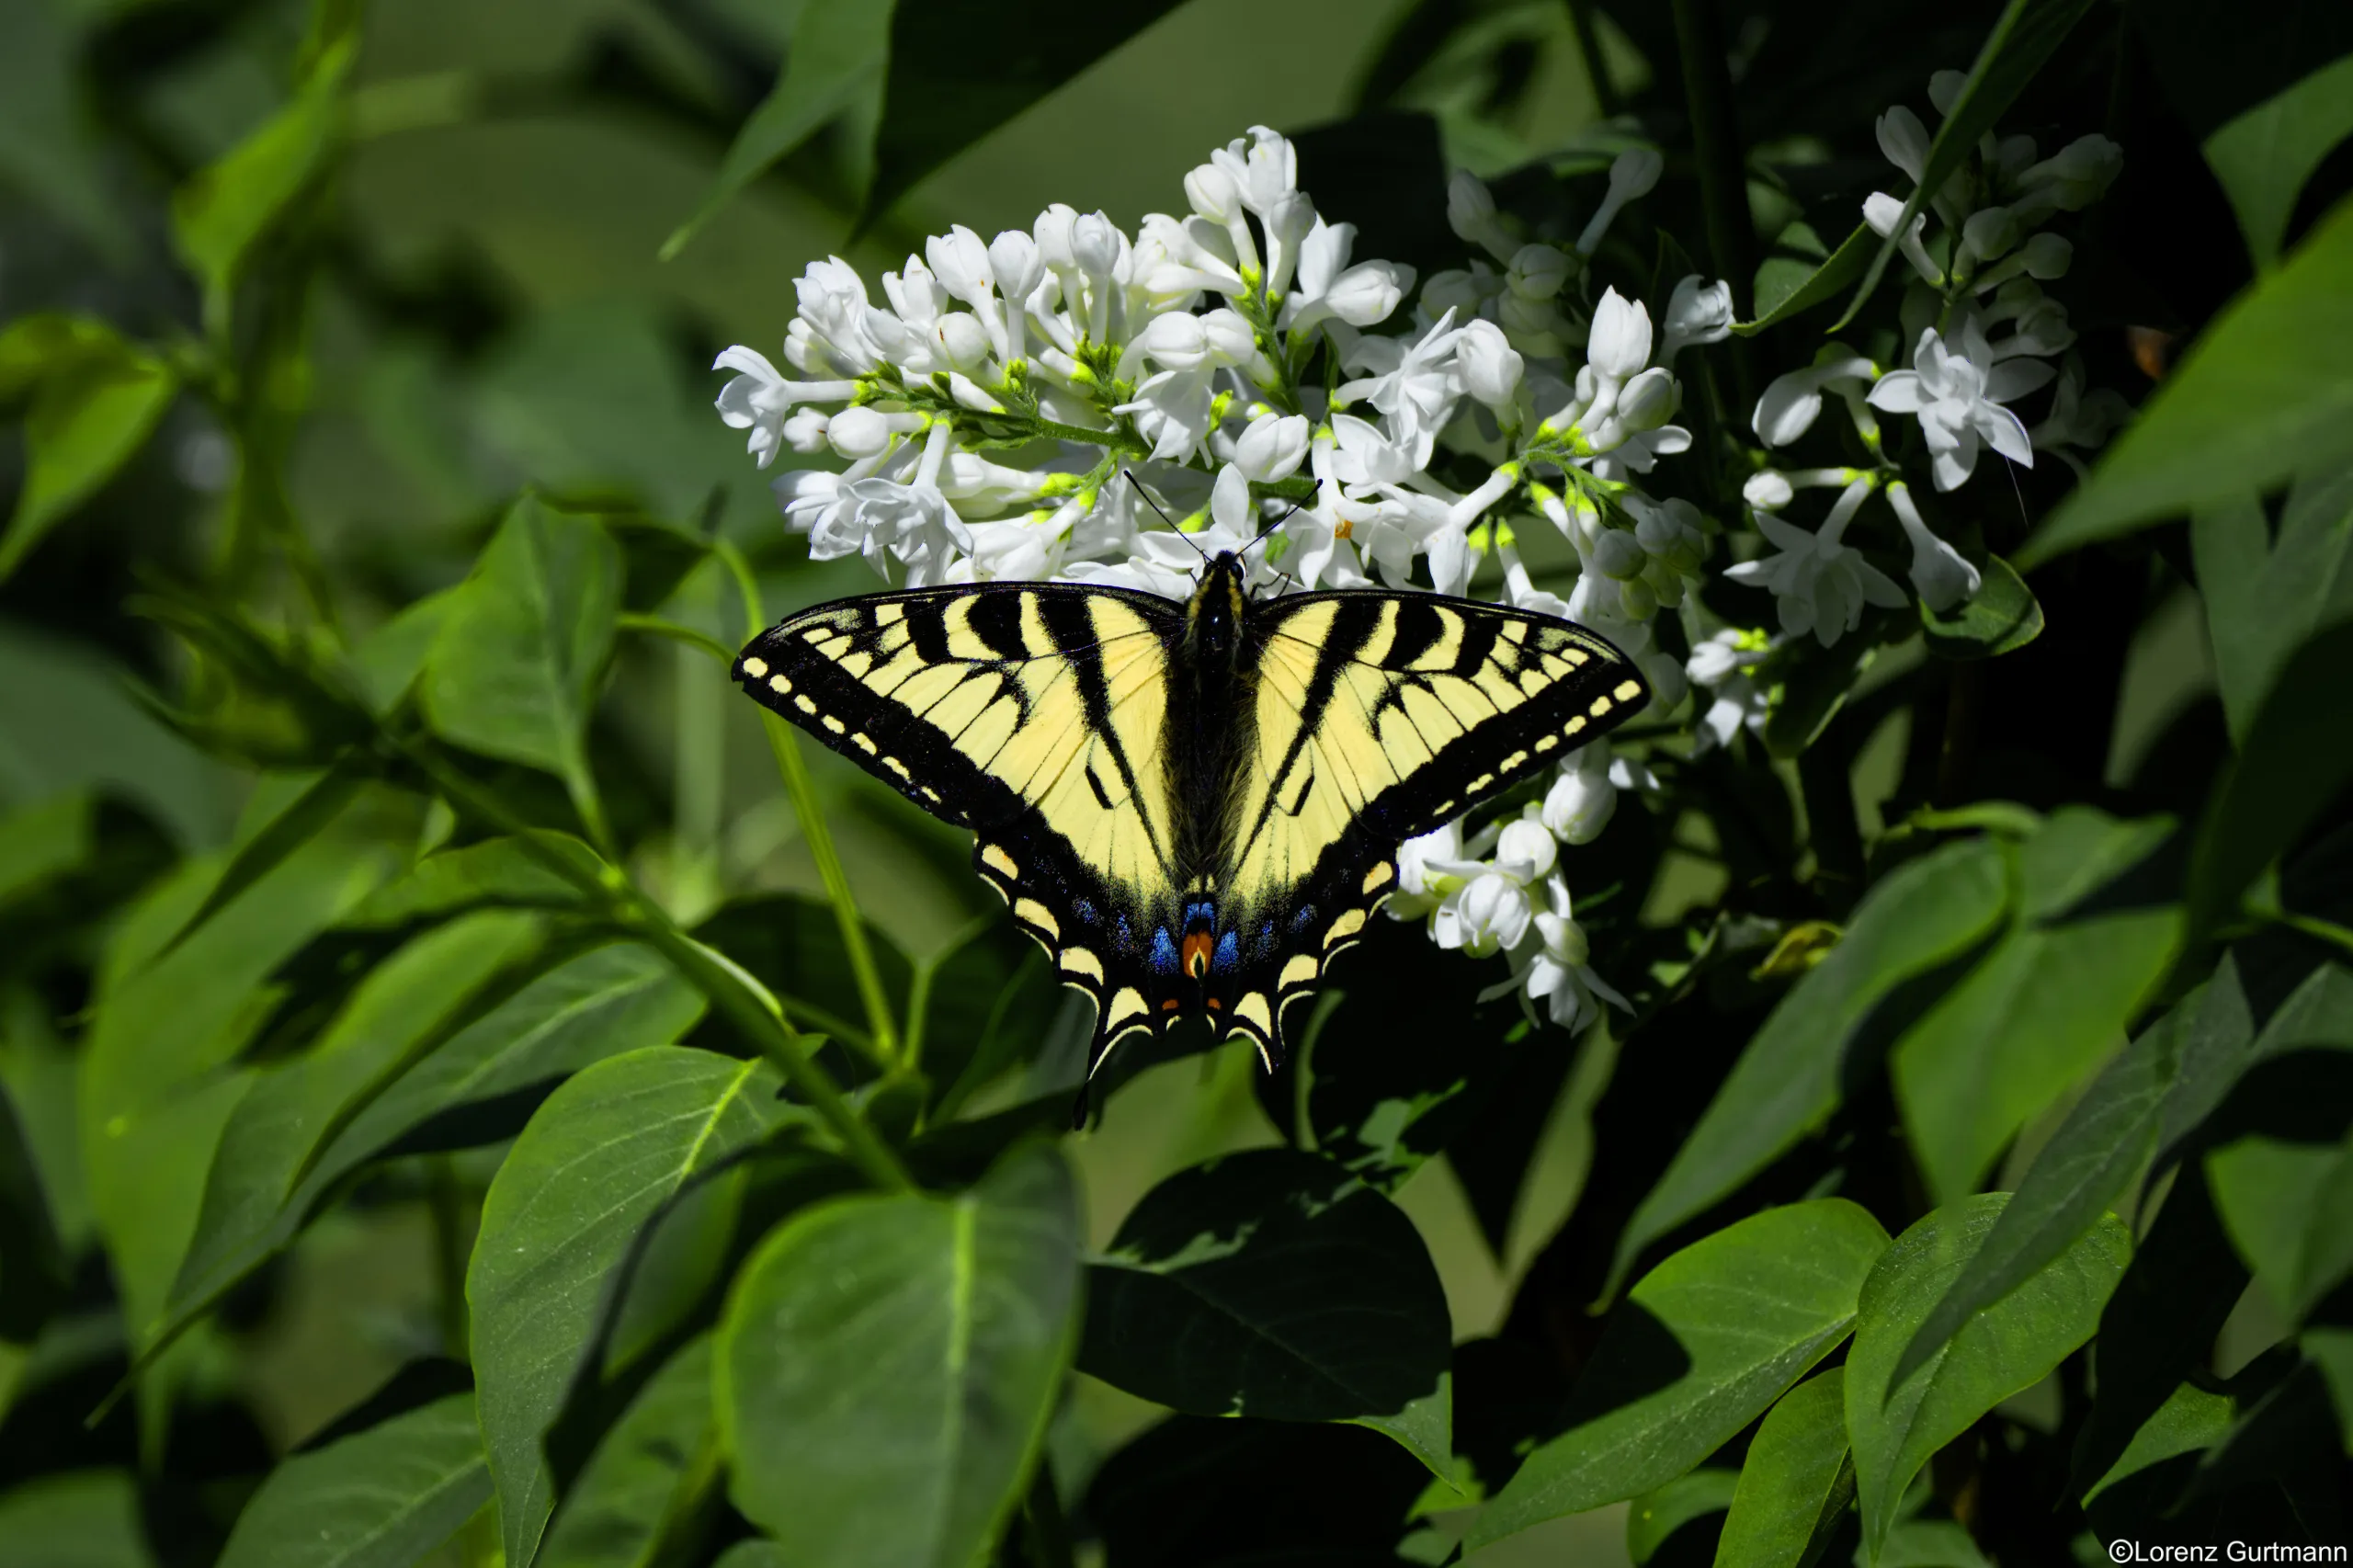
(769, 1031)
(786, 745)
(1724, 170)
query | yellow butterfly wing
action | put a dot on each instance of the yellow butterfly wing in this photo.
(1380, 716)
(1034, 714)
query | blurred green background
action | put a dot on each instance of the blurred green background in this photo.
(494, 315)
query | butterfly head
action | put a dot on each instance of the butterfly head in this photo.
(1213, 615)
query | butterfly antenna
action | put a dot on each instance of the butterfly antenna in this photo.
(1146, 497)
(1266, 532)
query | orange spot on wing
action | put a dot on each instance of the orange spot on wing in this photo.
(1169, 1005)
(1216, 1006)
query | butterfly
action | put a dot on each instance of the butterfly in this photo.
(1194, 808)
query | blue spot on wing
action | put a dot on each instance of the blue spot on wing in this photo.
(1298, 922)
(1164, 951)
(1084, 909)
(1228, 955)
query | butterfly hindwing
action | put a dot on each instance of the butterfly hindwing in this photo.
(1380, 716)
(1034, 714)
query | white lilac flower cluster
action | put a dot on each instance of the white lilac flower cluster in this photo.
(1040, 406)
(1981, 334)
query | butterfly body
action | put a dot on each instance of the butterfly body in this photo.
(1194, 809)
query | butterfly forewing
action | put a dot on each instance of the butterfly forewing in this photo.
(1035, 715)
(1379, 717)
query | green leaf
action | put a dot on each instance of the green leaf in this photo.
(2289, 1209)
(1930, 1543)
(514, 669)
(1378, 1100)
(1698, 1349)
(947, 1326)
(2102, 1148)
(380, 1498)
(320, 802)
(1654, 1516)
(585, 1009)
(2289, 768)
(2157, 1330)
(644, 1478)
(2331, 1351)
(2191, 1420)
(1786, 1083)
(599, 1158)
(2004, 1350)
(2264, 157)
(95, 399)
(840, 52)
(2264, 598)
(222, 212)
(2261, 398)
(292, 1109)
(1797, 1482)
(156, 1088)
(44, 842)
(86, 1518)
(1805, 289)
(496, 872)
(2026, 34)
(1267, 1283)
(2002, 618)
(2040, 1010)
(67, 721)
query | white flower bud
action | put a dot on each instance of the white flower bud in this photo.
(1903, 140)
(805, 431)
(961, 263)
(1272, 448)
(1944, 89)
(1618, 554)
(1489, 365)
(1013, 257)
(963, 341)
(2048, 257)
(1470, 209)
(1095, 244)
(1767, 490)
(1989, 233)
(1696, 313)
(1457, 292)
(1621, 341)
(1636, 599)
(1537, 271)
(1527, 851)
(1581, 801)
(2079, 174)
(857, 433)
(1213, 193)
(1649, 399)
(1175, 341)
(1228, 336)
(1052, 230)
(1635, 172)
(1664, 673)
(1368, 293)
